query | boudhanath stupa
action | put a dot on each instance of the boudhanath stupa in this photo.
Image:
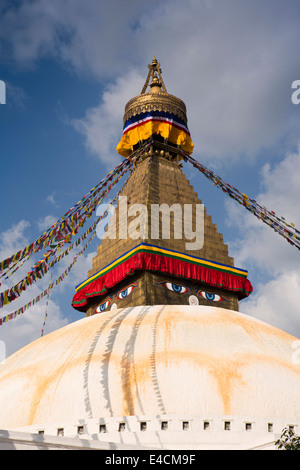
(163, 358)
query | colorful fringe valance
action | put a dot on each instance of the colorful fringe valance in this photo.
(154, 258)
(142, 126)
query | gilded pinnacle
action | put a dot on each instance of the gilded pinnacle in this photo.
(155, 85)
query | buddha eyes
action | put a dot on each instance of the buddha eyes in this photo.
(210, 296)
(124, 293)
(175, 287)
(120, 295)
(103, 306)
(180, 289)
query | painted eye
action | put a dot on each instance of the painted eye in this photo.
(211, 297)
(102, 306)
(175, 287)
(124, 293)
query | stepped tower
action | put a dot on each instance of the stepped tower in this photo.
(160, 217)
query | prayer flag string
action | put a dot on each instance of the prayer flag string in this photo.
(47, 304)
(92, 229)
(63, 229)
(21, 310)
(43, 265)
(279, 224)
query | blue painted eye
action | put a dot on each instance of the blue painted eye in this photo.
(175, 287)
(124, 293)
(211, 297)
(102, 306)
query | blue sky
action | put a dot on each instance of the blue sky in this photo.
(69, 70)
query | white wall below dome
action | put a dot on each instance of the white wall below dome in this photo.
(16, 440)
(199, 433)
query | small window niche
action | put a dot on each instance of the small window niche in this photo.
(60, 432)
(185, 425)
(80, 430)
(143, 426)
(270, 427)
(102, 428)
(227, 426)
(248, 426)
(164, 425)
(206, 425)
(122, 427)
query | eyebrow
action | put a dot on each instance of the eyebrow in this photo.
(109, 297)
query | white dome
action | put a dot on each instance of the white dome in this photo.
(154, 360)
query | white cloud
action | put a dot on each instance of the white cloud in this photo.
(281, 186)
(277, 302)
(92, 38)
(16, 95)
(13, 239)
(102, 125)
(46, 222)
(51, 198)
(27, 327)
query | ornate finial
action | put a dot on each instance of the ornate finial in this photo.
(155, 85)
(154, 69)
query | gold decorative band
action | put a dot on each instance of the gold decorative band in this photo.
(155, 102)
